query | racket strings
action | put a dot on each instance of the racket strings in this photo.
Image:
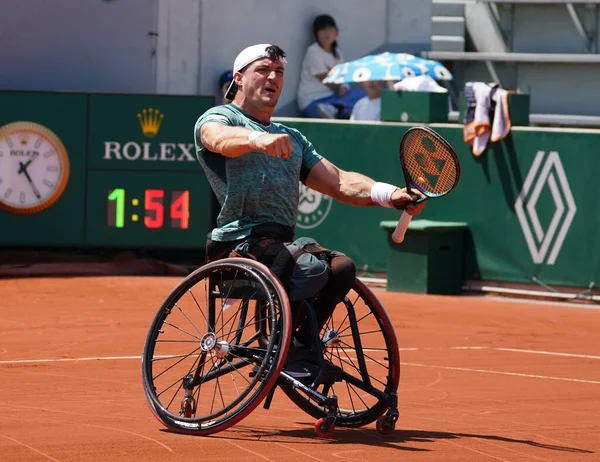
(429, 163)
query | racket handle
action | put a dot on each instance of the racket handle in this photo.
(398, 235)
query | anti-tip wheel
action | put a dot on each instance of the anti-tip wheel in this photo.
(325, 427)
(188, 407)
(385, 425)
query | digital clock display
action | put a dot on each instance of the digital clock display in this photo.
(149, 209)
(177, 211)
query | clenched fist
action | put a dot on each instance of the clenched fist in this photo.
(274, 145)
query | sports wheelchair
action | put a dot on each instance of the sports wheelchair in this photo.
(217, 346)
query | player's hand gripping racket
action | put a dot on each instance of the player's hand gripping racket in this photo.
(430, 166)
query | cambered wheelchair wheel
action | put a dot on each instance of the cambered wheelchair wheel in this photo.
(216, 346)
(358, 338)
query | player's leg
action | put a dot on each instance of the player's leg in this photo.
(342, 273)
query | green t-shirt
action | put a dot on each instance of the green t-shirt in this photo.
(254, 188)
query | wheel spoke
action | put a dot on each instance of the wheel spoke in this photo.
(181, 330)
(198, 305)
(186, 317)
(173, 365)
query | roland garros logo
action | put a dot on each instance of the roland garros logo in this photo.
(313, 208)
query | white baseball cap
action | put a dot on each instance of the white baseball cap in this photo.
(248, 56)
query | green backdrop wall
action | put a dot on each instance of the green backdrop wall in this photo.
(531, 200)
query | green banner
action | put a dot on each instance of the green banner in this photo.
(144, 132)
(529, 200)
(531, 206)
(42, 168)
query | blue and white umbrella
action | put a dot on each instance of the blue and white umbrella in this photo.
(386, 66)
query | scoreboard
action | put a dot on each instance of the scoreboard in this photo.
(157, 209)
(102, 170)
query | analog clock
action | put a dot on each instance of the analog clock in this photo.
(34, 168)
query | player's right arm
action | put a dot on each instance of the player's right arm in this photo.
(237, 141)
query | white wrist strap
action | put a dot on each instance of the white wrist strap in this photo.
(252, 137)
(381, 194)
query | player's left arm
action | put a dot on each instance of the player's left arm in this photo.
(353, 188)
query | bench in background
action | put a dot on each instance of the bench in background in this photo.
(430, 260)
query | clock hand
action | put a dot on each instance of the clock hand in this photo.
(23, 169)
(23, 166)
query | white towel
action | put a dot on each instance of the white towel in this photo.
(501, 126)
(480, 130)
(482, 117)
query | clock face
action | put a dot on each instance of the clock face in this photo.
(34, 168)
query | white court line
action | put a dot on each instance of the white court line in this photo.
(437, 348)
(117, 358)
(550, 353)
(69, 360)
(515, 374)
(510, 350)
(572, 304)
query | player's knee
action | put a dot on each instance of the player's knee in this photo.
(343, 274)
(308, 278)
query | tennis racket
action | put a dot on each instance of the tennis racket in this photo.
(430, 166)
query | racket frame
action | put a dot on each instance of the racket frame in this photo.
(410, 184)
(405, 218)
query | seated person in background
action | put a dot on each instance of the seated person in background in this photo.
(224, 82)
(369, 107)
(316, 99)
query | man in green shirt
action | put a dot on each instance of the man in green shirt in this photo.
(254, 167)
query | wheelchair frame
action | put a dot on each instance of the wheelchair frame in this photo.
(230, 340)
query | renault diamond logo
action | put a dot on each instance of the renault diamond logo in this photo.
(540, 241)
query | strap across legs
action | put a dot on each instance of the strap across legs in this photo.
(279, 256)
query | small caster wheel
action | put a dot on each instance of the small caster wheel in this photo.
(325, 427)
(385, 425)
(188, 407)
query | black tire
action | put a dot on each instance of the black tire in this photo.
(358, 402)
(223, 333)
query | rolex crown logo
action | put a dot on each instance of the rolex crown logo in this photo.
(150, 120)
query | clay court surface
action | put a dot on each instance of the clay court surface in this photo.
(482, 379)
